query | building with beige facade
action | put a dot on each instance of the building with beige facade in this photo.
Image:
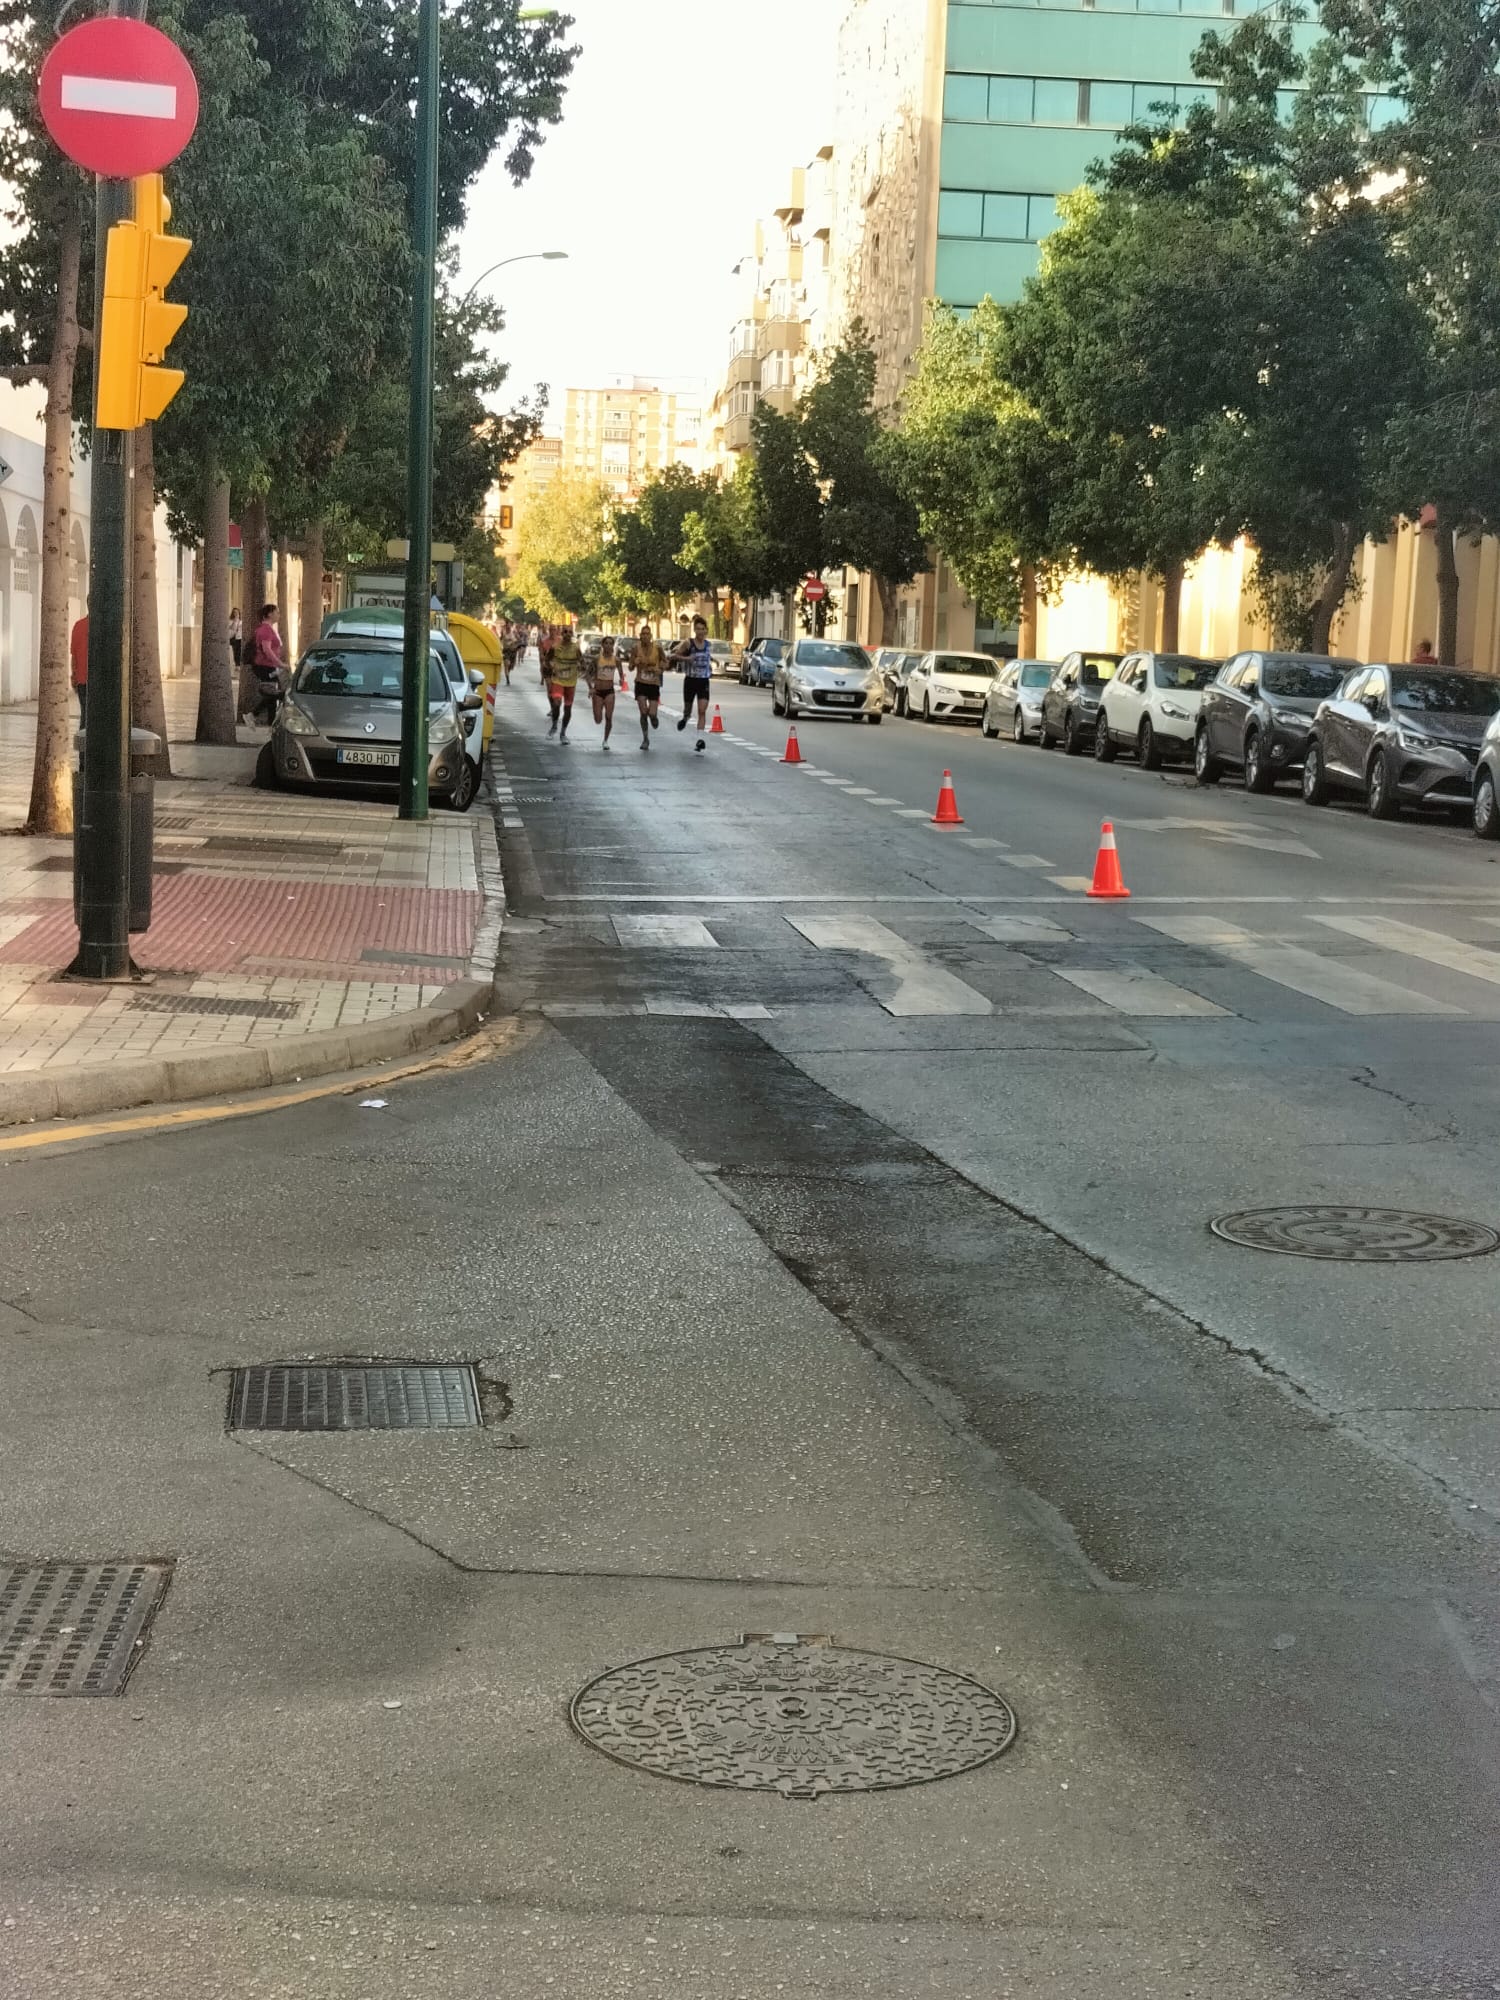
(507, 507)
(628, 430)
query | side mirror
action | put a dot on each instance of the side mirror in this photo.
(477, 677)
(470, 703)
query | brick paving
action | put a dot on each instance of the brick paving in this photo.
(273, 915)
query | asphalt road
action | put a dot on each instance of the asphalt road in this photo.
(830, 1225)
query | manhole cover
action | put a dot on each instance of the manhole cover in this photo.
(793, 1718)
(1356, 1235)
(204, 1003)
(74, 1628)
(353, 1398)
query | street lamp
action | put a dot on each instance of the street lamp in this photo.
(416, 624)
(526, 257)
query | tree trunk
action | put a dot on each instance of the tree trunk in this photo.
(310, 613)
(148, 708)
(51, 809)
(283, 592)
(1171, 606)
(1335, 586)
(1447, 587)
(886, 591)
(216, 688)
(256, 541)
(1027, 643)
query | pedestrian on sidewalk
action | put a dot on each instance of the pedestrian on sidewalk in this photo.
(649, 666)
(697, 667)
(266, 664)
(602, 674)
(237, 637)
(562, 681)
(78, 653)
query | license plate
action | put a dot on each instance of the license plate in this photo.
(848, 699)
(385, 758)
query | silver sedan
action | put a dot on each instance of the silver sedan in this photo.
(1013, 706)
(829, 677)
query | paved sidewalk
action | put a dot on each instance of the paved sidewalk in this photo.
(289, 935)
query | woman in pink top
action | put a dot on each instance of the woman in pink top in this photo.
(266, 664)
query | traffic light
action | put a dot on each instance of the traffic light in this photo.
(139, 323)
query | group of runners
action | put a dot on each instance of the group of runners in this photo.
(562, 666)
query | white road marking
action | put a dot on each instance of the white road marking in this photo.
(860, 792)
(1132, 990)
(1414, 942)
(884, 802)
(746, 1011)
(119, 97)
(979, 840)
(1079, 884)
(664, 934)
(921, 988)
(682, 1010)
(1340, 986)
(1028, 861)
(912, 812)
(1018, 930)
(568, 1010)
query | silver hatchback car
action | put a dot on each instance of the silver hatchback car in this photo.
(340, 724)
(829, 677)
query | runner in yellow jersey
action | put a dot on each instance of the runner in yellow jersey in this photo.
(562, 681)
(649, 666)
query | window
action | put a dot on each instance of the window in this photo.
(998, 218)
(1043, 216)
(1005, 217)
(960, 214)
(1109, 103)
(1146, 96)
(1056, 101)
(1383, 111)
(1010, 100)
(966, 97)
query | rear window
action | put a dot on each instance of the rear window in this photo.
(1099, 668)
(1179, 670)
(363, 676)
(1309, 680)
(1446, 694)
(824, 653)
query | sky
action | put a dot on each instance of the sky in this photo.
(682, 121)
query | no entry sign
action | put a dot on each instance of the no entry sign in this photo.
(119, 97)
(815, 590)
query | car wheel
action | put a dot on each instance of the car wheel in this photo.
(1205, 764)
(790, 712)
(1486, 806)
(267, 778)
(984, 724)
(1147, 754)
(1381, 799)
(927, 708)
(776, 708)
(1018, 727)
(1260, 774)
(464, 787)
(876, 720)
(1070, 742)
(1104, 744)
(1314, 777)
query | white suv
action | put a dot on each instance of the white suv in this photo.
(1151, 707)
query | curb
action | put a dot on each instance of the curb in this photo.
(85, 1088)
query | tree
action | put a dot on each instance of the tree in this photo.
(567, 521)
(870, 521)
(786, 507)
(650, 539)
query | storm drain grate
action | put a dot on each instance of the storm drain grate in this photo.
(202, 1003)
(789, 1715)
(369, 1397)
(74, 1628)
(443, 960)
(1356, 1235)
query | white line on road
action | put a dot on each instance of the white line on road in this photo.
(921, 988)
(1413, 942)
(1079, 884)
(980, 840)
(1018, 930)
(665, 934)
(1028, 861)
(1133, 990)
(1337, 985)
(912, 812)
(882, 801)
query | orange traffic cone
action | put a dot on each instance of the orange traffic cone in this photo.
(793, 754)
(947, 813)
(1108, 881)
(624, 682)
(716, 727)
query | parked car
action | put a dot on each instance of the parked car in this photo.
(897, 669)
(1013, 706)
(1400, 736)
(1256, 715)
(950, 687)
(375, 622)
(761, 659)
(1070, 707)
(828, 677)
(340, 723)
(724, 665)
(1151, 707)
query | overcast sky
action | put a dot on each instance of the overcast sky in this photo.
(682, 120)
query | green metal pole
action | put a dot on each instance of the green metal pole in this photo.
(419, 436)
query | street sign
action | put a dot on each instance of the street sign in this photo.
(815, 590)
(118, 97)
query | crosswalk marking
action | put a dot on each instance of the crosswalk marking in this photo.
(980, 840)
(1133, 990)
(664, 933)
(912, 812)
(1018, 930)
(860, 792)
(1078, 884)
(921, 988)
(1337, 985)
(1028, 861)
(1413, 942)
(884, 802)
(682, 1010)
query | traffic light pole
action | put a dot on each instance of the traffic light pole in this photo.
(102, 834)
(417, 622)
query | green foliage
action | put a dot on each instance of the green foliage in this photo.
(652, 542)
(786, 507)
(869, 519)
(565, 525)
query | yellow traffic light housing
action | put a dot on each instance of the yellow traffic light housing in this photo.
(138, 323)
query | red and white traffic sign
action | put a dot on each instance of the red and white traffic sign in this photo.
(119, 97)
(815, 590)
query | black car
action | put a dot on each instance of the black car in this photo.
(1070, 707)
(1257, 713)
(896, 664)
(1400, 736)
(760, 659)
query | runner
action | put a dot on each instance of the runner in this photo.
(697, 667)
(648, 665)
(562, 681)
(602, 673)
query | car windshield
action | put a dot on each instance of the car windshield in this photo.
(1180, 670)
(1099, 668)
(1309, 679)
(824, 653)
(719, 648)
(1036, 677)
(1450, 694)
(973, 664)
(362, 676)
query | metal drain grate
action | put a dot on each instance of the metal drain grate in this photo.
(202, 1003)
(444, 961)
(1356, 1235)
(786, 1715)
(354, 1397)
(74, 1628)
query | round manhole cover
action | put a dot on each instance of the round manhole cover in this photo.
(796, 1719)
(1356, 1235)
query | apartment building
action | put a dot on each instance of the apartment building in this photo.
(507, 506)
(630, 429)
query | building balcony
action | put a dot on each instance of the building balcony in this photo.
(737, 432)
(779, 336)
(743, 368)
(780, 397)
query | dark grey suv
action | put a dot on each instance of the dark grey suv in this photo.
(1257, 713)
(1070, 707)
(1401, 736)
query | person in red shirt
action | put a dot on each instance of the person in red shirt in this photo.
(78, 649)
(265, 663)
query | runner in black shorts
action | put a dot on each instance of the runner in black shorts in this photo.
(648, 663)
(697, 666)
